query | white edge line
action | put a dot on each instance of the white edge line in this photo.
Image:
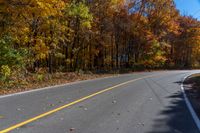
(61, 85)
(189, 105)
(65, 84)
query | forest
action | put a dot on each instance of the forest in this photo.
(95, 35)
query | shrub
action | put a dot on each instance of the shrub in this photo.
(5, 72)
(40, 77)
(9, 55)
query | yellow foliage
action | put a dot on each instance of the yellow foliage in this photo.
(40, 49)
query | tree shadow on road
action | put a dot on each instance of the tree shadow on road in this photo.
(175, 118)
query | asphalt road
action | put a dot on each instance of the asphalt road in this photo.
(150, 102)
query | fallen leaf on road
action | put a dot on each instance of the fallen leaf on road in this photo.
(71, 129)
(51, 105)
(18, 109)
(114, 101)
(142, 124)
(60, 101)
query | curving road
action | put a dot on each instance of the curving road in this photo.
(148, 102)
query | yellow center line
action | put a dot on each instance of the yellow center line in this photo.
(67, 105)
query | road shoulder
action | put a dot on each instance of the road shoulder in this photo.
(191, 91)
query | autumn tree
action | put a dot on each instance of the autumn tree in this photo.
(96, 35)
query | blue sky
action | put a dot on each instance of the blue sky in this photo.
(189, 7)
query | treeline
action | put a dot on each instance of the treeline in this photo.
(71, 35)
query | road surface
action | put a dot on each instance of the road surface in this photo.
(148, 102)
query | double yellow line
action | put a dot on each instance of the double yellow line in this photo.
(67, 105)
